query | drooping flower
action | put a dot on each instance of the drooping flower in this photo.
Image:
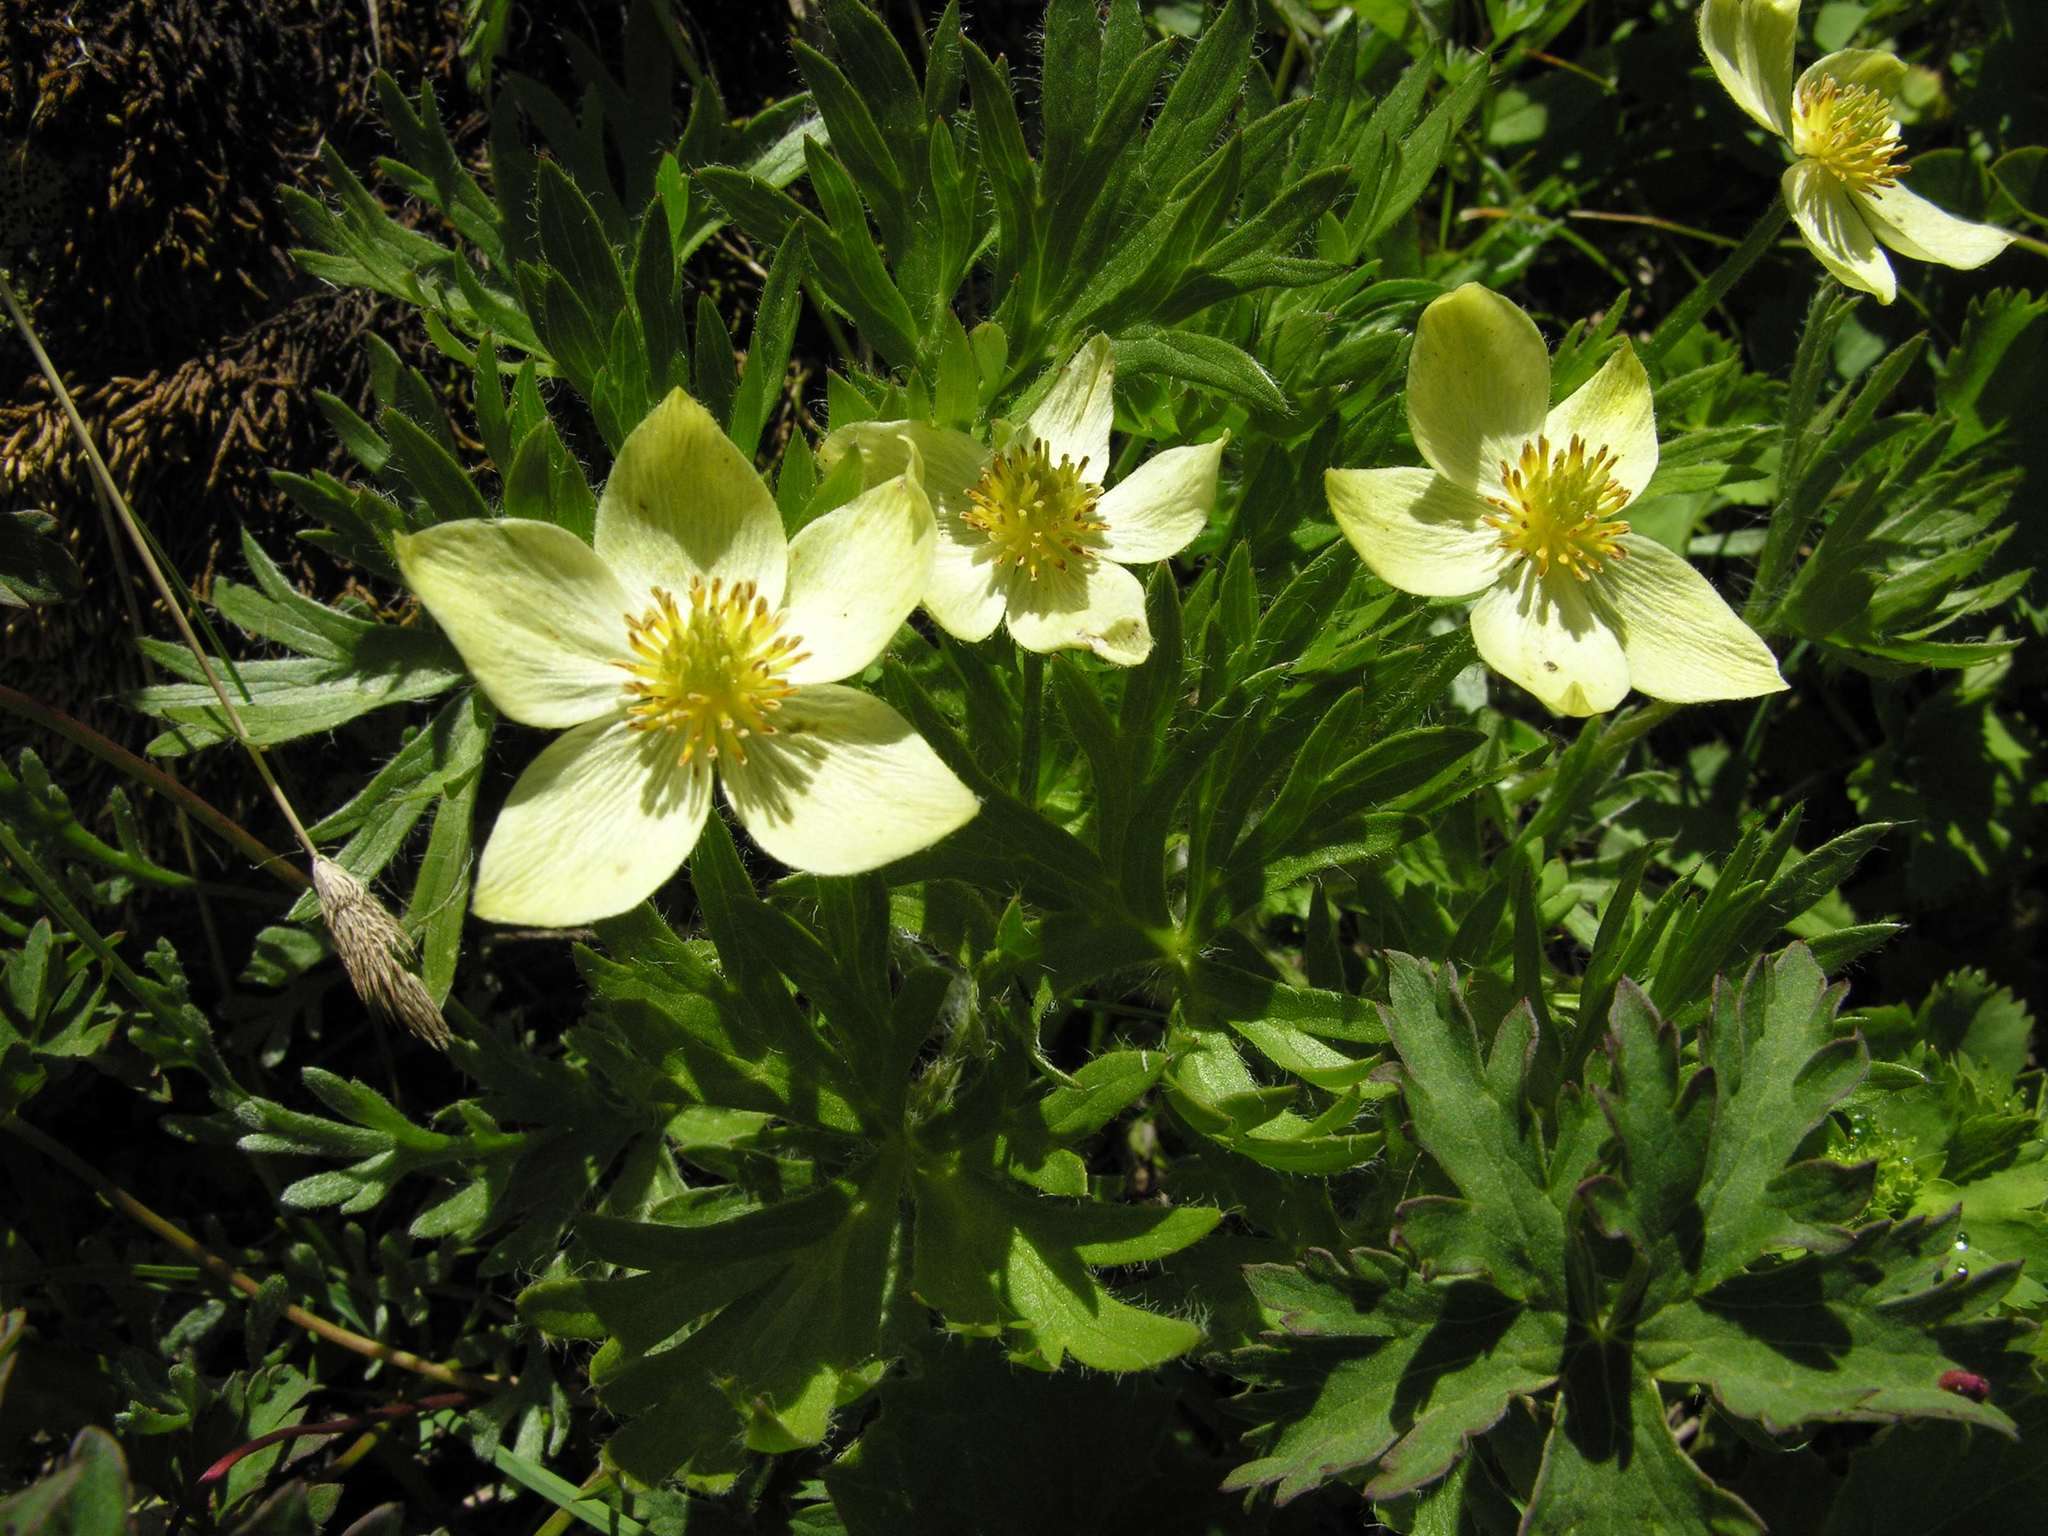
(1523, 504)
(1843, 186)
(1027, 531)
(692, 641)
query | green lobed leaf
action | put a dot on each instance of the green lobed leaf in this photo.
(993, 1259)
(1470, 1115)
(1385, 1373)
(1610, 1464)
(1842, 1337)
(1778, 1067)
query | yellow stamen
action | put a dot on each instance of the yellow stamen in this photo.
(1036, 512)
(1850, 130)
(712, 672)
(1560, 507)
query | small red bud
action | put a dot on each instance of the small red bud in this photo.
(1966, 1384)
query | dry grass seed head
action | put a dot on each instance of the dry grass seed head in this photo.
(377, 953)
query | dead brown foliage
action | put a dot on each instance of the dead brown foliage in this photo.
(141, 146)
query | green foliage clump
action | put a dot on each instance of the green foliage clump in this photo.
(1318, 1085)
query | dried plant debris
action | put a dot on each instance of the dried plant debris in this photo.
(377, 953)
(140, 148)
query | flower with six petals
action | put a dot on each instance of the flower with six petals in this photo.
(1524, 502)
(1027, 532)
(1843, 185)
(693, 640)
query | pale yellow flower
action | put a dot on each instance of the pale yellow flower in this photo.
(1524, 502)
(1843, 186)
(693, 639)
(1028, 534)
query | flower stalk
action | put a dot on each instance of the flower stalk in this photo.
(173, 605)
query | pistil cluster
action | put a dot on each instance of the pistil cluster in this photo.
(711, 672)
(1560, 507)
(1034, 512)
(1850, 130)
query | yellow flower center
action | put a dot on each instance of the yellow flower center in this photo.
(711, 672)
(1033, 511)
(1560, 507)
(1850, 130)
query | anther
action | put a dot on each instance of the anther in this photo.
(709, 673)
(1027, 507)
(1560, 507)
(1850, 131)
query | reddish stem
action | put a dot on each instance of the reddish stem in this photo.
(385, 1414)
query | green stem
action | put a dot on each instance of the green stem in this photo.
(1624, 734)
(1034, 727)
(1599, 756)
(1681, 320)
(565, 1515)
(1774, 563)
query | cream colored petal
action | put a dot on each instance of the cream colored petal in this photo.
(1158, 508)
(1544, 635)
(1478, 385)
(854, 576)
(596, 824)
(1883, 72)
(682, 501)
(1074, 419)
(952, 461)
(1914, 227)
(1749, 44)
(538, 619)
(1097, 606)
(1835, 230)
(845, 785)
(1612, 410)
(965, 592)
(1683, 643)
(1416, 530)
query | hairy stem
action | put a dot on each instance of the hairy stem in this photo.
(1034, 726)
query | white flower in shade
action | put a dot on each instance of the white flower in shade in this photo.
(1843, 184)
(1524, 502)
(693, 639)
(1027, 532)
